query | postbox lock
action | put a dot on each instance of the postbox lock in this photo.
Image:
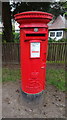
(35, 29)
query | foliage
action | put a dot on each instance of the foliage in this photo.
(56, 8)
(10, 74)
(16, 37)
(56, 77)
(65, 29)
(30, 6)
(51, 40)
(62, 40)
(54, 40)
(3, 38)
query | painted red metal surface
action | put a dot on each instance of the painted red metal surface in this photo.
(33, 69)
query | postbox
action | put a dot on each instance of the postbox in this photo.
(33, 50)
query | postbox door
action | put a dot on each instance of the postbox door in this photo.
(38, 58)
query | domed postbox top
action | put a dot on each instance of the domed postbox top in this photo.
(33, 17)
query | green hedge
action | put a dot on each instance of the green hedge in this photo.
(16, 37)
(54, 40)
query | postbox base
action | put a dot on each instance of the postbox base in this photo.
(32, 96)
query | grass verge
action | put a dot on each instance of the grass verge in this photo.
(54, 76)
(10, 74)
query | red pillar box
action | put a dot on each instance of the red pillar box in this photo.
(33, 50)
